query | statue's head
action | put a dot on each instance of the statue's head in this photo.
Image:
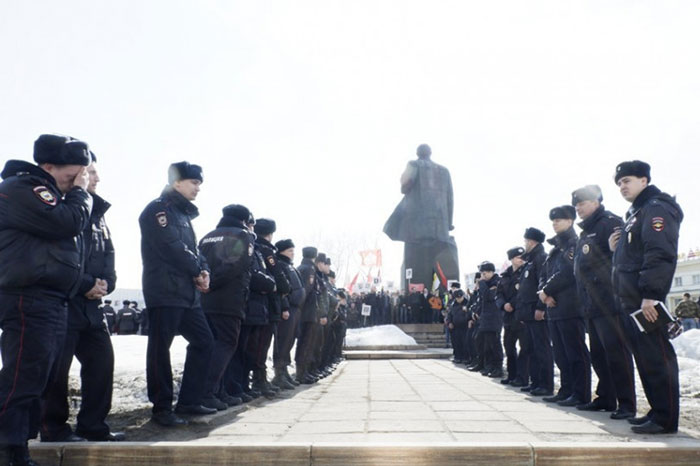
(423, 151)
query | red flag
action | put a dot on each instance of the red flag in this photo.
(352, 283)
(443, 279)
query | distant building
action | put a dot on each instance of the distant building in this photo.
(685, 280)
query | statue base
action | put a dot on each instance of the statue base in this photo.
(423, 258)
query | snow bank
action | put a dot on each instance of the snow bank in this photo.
(687, 348)
(688, 344)
(382, 335)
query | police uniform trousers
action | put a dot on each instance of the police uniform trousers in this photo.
(33, 329)
(658, 370)
(459, 342)
(259, 345)
(328, 344)
(226, 329)
(236, 379)
(305, 342)
(492, 350)
(340, 328)
(317, 350)
(165, 323)
(511, 331)
(284, 339)
(572, 357)
(92, 346)
(612, 362)
(542, 362)
(524, 354)
(470, 344)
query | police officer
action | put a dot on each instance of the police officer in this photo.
(310, 316)
(457, 321)
(228, 250)
(644, 261)
(110, 315)
(126, 320)
(564, 313)
(610, 355)
(321, 268)
(278, 308)
(340, 326)
(490, 321)
(530, 310)
(44, 209)
(512, 328)
(174, 275)
(287, 328)
(87, 339)
(329, 332)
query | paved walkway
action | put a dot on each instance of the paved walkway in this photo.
(420, 401)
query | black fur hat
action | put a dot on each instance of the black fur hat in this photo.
(237, 211)
(633, 168)
(284, 244)
(564, 211)
(184, 171)
(515, 252)
(61, 150)
(265, 226)
(534, 234)
(309, 252)
(487, 266)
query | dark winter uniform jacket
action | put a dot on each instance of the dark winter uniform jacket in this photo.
(297, 293)
(560, 282)
(228, 250)
(40, 232)
(269, 254)
(490, 316)
(645, 258)
(171, 259)
(528, 301)
(262, 285)
(593, 263)
(99, 263)
(507, 293)
(458, 314)
(313, 288)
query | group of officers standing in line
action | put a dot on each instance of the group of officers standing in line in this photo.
(229, 296)
(592, 282)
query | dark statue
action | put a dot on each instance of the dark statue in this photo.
(423, 220)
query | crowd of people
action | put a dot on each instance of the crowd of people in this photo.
(603, 281)
(235, 295)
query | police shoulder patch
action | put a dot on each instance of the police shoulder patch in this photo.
(586, 249)
(162, 219)
(45, 196)
(657, 223)
(271, 260)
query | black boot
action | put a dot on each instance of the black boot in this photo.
(289, 378)
(281, 381)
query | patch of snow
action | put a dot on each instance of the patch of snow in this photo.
(382, 335)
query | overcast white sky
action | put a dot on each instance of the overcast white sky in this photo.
(307, 112)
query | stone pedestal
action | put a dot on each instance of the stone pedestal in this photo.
(423, 258)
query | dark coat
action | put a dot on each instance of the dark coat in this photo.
(528, 301)
(458, 314)
(269, 254)
(99, 263)
(228, 250)
(313, 289)
(560, 282)
(425, 212)
(645, 258)
(593, 263)
(507, 293)
(297, 293)
(262, 285)
(127, 321)
(40, 232)
(171, 259)
(490, 316)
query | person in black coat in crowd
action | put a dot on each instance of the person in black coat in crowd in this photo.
(44, 209)
(530, 310)
(278, 306)
(110, 315)
(287, 328)
(644, 262)
(174, 275)
(564, 313)
(311, 316)
(126, 322)
(228, 250)
(490, 321)
(610, 354)
(513, 329)
(457, 321)
(87, 339)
